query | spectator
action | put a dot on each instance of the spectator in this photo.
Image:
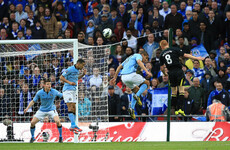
(119, 53)
(179, 34)
(40, 12)
(31, 20)
(3, 10)
(95, 78)
(223, 95)
(3, 34)
(36, 76)
(156, 17)
(22, 26)
(32, 5)
(49, 23)
(15, 30)
(28, 35)
(76, 14)
(60, 12)
(182, 9)
(24, 100)
(90, 41)
(189, 78)
(173, 20)
(38, 32)
(186, 32)
(208, 85)
(126, 102)
(164, 82)
(208, 66)
(134, 8)
(111, 74)
(81, 38)
(5, 104)
(205, 37)
(119, 31)
(90, 28)
(198, 72)
(132, 41)
(196, 93)
(96, 17)
(151, 46)
(188, 102)
(146, 99)
(222, 77)
(217, 112)
(194, 22)
(181, 41)
(84, 105)
(123, 14)
(20, 14)
(128, 52)
(114, 104)
(20, 35)
(154, 83)
(165, 10)
(105, 23)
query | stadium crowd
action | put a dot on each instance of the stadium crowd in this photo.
(137, 26)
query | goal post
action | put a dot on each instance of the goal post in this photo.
(24, 65)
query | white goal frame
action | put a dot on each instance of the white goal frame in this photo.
(50, 41)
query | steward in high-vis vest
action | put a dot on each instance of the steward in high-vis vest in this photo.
(217, 112)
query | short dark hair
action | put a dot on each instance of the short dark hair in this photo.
(47, 80)
(144, 53)
(81, 61)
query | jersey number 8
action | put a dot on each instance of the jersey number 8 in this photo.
(168, 59)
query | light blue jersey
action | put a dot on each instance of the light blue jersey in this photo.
(130, 64)
(70, 74)
(47, 99)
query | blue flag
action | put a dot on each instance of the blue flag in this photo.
(32, 48)
(199, 51)
(159, 100)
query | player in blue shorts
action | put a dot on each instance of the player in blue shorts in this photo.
(47, 108)
(70, 78)
(133, 80)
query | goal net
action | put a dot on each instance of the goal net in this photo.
(23, 67)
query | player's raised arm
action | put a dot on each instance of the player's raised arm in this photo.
(62, 78)
(193, 57)
(30, 105)
(117, 72)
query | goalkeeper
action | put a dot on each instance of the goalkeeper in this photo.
(133, 80)
(70, 78)
(47, 108)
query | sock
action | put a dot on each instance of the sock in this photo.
(71, 117)
(142, 89)
(181, 101)
(60, 130)
(74, 117)
(133, 103)
(174, 102)
(32, 129)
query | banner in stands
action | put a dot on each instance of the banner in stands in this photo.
(124, 132)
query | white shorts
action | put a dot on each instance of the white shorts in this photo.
(132, 80)
(41, 114)
(69, 96)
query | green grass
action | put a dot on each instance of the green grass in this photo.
(119, 146)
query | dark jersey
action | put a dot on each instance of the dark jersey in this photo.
(170, 57)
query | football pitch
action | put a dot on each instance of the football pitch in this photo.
(119, 146)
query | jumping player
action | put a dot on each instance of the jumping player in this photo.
(170, 58)
(47, 108)
(133, 80)
(70, 77)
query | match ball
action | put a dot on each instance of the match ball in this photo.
(107, 32)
